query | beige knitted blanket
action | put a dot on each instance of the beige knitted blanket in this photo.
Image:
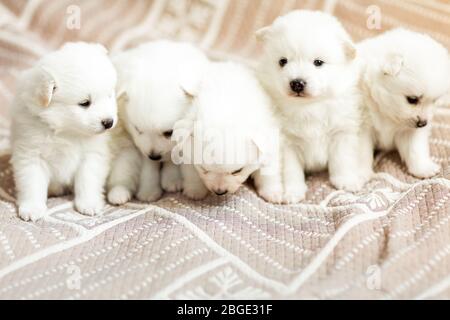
(390, 241)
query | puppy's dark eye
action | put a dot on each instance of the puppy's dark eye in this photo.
(85, 103)
(283, 62)
(318, 62)
(237, 171)
(413, 100)
(168, 134)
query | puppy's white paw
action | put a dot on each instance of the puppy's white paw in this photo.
(32, 211)
(195, 191)
(426, 170)
(90, 206)
(294, 193)
(149, 194)
(348, 182)
(171, 181)
(119, 195)
(272, 194)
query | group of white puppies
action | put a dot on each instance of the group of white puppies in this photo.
(162, 117)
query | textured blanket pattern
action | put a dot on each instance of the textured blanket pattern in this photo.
(391, 240)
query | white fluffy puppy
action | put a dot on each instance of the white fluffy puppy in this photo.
(405, 75)
(310, 70)
(229, 133)
(62, 109)
(123, 181)
(154, 78)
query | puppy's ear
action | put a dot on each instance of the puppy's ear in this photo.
(190, 84)
(40, 86)
(191, 76)
(96, 46)
(122, 98)
(350, 50)
(101, 48)
(263, 34)
(392, 64)
(190, 93)
(444, 101)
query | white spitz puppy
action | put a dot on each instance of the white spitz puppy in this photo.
(123, 181)
(405, 75)
(63, 107)
(309, 68)
(229, 133)
(154, 78)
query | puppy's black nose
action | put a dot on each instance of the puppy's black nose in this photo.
(155, 157)
(221, 192)
(107, 123)
(298, 85)
(421, 123)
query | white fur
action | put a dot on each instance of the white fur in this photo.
(56, 143)
(398, 64)
(126, 166)
(154, 78)
(322, 124)
(230, 104)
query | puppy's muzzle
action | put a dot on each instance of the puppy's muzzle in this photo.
(421, 123)
(220, 192)
(107, 123)
(154, 156)
(298, 86)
